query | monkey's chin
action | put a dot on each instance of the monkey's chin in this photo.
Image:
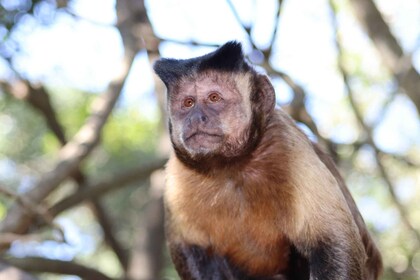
(202, 144)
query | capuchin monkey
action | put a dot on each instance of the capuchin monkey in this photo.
(248, 195)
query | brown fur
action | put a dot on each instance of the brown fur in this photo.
(248, 195)
(374, 261)
(282, 193)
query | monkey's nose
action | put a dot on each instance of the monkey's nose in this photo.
(198, 117)
(204, 118)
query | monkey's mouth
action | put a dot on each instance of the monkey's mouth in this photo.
(203, 135)
(202, 139)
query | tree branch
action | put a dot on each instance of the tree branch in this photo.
(186, 42)
(108, 230)
(70, 156)
(389, 49)
(31, 209)
(39, 98)
(147, 261)
(106, 185)
(238, 19)
(8, 238)
(12, 273)
(34, 264)
(297, 108)
(368, 130)
(267, 53)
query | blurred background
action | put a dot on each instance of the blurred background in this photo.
(82, 120)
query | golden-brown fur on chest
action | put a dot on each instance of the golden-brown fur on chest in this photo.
(229, 217)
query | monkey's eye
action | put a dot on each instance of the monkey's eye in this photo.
(188, 102)
(214, 97)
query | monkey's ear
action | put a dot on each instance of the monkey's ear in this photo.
(265, 95)
(171, 70)
(228, 57)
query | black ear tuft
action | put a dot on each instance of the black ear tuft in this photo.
(171, 70)
(228, 57)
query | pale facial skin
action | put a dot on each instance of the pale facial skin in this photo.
(210, 114)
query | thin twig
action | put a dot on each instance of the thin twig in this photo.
(389, 49)
(35, 264)
(188, 42)
(70, 156)
(299, 111)
(369, 131)
(39, 99)
(384, 109)
(298, 108)
(9, 272)
(267, 53)
(107, 184)
(238, 18)
(31, 209)
(8, 238)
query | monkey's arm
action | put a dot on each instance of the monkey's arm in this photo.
(332, 244)
(326, 231)
(374, 261)
(334, 262)
(195, 263)
(183, 258)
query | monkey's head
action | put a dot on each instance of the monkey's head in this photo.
(218, 106)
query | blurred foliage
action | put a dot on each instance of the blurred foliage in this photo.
(14, 12)
(22, 131)
(131, 137)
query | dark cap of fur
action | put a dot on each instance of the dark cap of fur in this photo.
(228, 57)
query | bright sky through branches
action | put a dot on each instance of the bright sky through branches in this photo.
(84, 51)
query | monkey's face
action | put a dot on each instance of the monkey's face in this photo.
(210, 114)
